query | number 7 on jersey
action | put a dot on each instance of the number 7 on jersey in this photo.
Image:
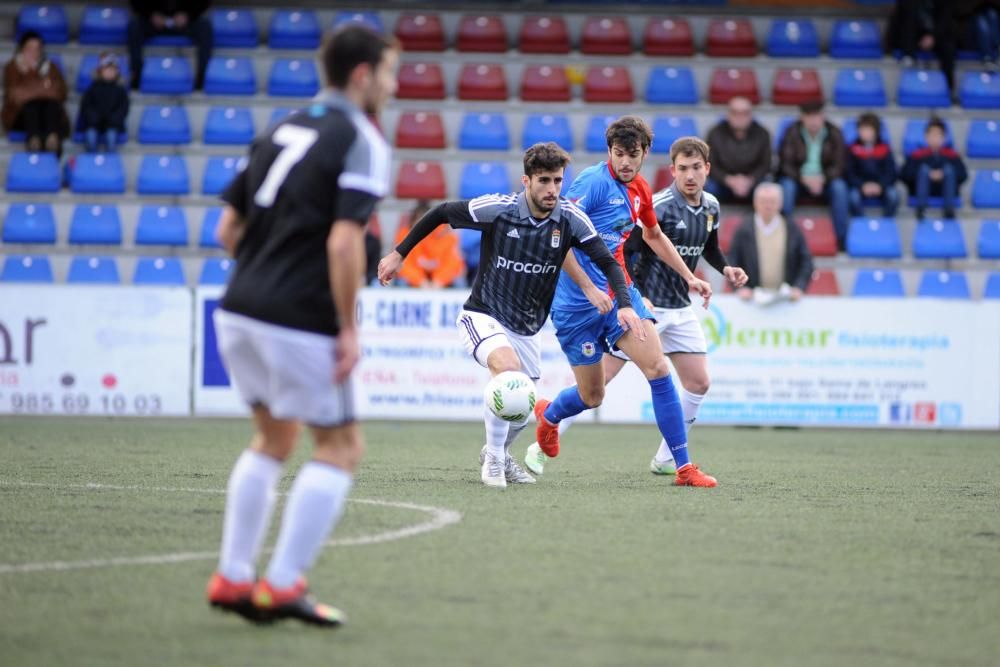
(295, 142)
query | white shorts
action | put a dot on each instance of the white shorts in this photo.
(482, 334)
(288, 371)
(679, 331)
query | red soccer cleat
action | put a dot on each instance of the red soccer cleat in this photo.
(690, 475)
(234, 596)
(546, 434)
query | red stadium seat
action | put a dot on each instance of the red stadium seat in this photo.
(731, 38)
(728, 227)
(732, 82)
(820, 237)
(606, 35)
(482, 33)
(420, 32)
(482, 82)
(420, 180)
(663, 178)
(420, 129)
(795, 86)
(543, 34)
(420, 81)
(545, 83)
(668, 37)
(608, 84)
(823, 283)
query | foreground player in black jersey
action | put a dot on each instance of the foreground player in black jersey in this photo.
(294, 220)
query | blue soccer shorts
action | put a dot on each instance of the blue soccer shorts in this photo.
(585, 335)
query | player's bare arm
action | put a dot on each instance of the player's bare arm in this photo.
(345, 249)
(665, 250)
(600, 300)
(230, 229)
(602, 258)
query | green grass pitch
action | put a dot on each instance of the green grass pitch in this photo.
(817, 548)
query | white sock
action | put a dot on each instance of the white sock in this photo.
(250, 499)
(689, 406)
(566, 423)
(663, 454)
(513, 430)
(314, 506)
(496, 433)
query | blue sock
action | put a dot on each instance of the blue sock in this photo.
(669, 418)
(567, 404)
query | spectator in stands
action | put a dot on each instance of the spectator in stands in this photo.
(811, 157)
(104, 106)
(871, 168)
(741, 153)
(169, 17)
(34, 95)
(935, 170)
(924, 25)
(772, 250)
(980, 19)
(434, 262)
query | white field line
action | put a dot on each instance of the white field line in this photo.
(440, 517)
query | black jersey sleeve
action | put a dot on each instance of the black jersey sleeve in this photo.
(456, 213)
(712, 253)
(598, 252)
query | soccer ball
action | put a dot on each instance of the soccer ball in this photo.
(510, 396)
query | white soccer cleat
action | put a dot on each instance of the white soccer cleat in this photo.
(666, 468)
(515, 474)
(492, 472)
(535, 458)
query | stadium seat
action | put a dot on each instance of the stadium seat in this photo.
(209, 223)
(939, 239)
(596, 141)
(823, 283)
(88, 64)
(420, 32)
(216, 271)
(986, 189)
(95, 224)
(988, 242)
(543, 34)
(856, 39)
(420, 129)
(663, 178)
(484, 131)
(228, 125)
(29, 223)
(482, 82)
(158, 271)
(874, 237)
(47, 20)
(219, 171)
(164, 125)
(33, 172)
(913, 135)
(161, 225)
(668, 37)
(104, 25)
(369, 19)
(730, 38)
(279, 114)
(234, 28)
(983, 139)
(93, 271)
(163, 175)
(922, 88)
(545, 83)
(293, 77)
(608, 84)
(796, 86)
(420, 81)
(166, 75)
(992, 288)
(26, 269)
(230, 76)
(980, 90)
(792, 38)
(671, 85)
(732, 82)
(481, 33)
(293, 29)
(820, 236)
(878, 283)
(483, 178)
(943, 285)
(667, 129)
(605, 35)
(420, 180)
(97, 173)
(539, 128)
(859, 88)
(850, 130)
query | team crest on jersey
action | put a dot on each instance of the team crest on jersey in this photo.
(710, 222)
(588, 349)
(556, 234)
(635, 207)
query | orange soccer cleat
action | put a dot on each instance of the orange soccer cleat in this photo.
(546, 434)
(690, 475)
(234, 596)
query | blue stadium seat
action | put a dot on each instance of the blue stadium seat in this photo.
(293, 29)
(163, 175)
(980, 90)
(856, 39)
(93, 270)
(29, 223)
(88, 64)
(923, 88)
(983, 139)
(234, 28)
(595, 141)
(26, 269)
(484, 131)
(47, 20)
(293, 77)
(369, 19)
(165, 39)
(568, 176)
(98, 172)
(230, 76)
(783, 123)
(166, 75)
(219, 171)
(209, 222)
(95, 224)
(790, 38)
(992, 289)
(482, 178)
(667, 129)
(913, 135)
(850, 130)
(164, 125)
(874, 237)
(878, 283)
(986, 189)
(158, 271)
(859, 88)
(216, 271)
(161, 225)
(939, 239)
(104, 25)
(943, 285)
(671, 85)
(33, 172)
(539, 128)
(988, 242)
(229, 125)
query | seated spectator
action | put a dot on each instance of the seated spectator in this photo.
(169, 17)
(104, 106)
(871, 168)
(811, 157)
(934, 171)
(924, 25)
(741, 153)
(772, 250)
(980, 20)
(437, 260)
(34, 94)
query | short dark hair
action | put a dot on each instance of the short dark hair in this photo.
(350, 46)
(689, 147)
(629, 132)
(544, 157)
(936, 122)
(27, 36)
(872, 121)
(811, 106)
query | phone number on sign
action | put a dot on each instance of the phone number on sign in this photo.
(80, 404)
